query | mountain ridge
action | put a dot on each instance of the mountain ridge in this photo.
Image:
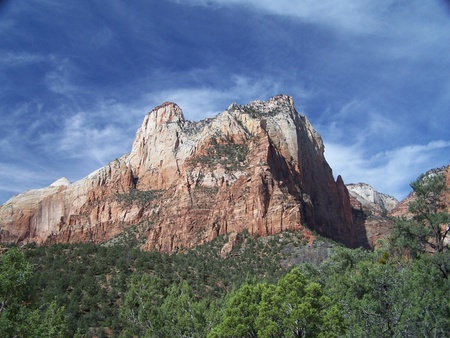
(258, 167)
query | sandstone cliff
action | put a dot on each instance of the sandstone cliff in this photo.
(259, 167)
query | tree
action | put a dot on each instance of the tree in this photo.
(182, 314)
(297, 307)
(240, 312)
(294, 307)
(15, 273)
(429, 229)
(384, 296)
(140, 310)
(152, 310)
(17, 318)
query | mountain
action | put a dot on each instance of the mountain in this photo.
(370, 209)
(371, 199)
(258, 168)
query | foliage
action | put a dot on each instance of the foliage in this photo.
(137, 197)
(294, 307)
(92, 283)
(230, 155)
(17, 316)
(382, 296)
(149, 310)
(429, 229)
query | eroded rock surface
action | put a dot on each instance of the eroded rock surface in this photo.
(259, 167)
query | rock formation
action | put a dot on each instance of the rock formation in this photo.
(259, 167)
(370, 209)
(371, 199)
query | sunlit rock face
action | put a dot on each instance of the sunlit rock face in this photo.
(372, 199)
(258, 167)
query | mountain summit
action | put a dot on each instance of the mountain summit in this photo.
(258, 167)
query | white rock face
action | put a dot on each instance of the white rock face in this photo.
(371, 198)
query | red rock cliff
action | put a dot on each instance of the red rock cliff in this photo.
(258, 167)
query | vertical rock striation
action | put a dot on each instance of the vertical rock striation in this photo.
(259, 167)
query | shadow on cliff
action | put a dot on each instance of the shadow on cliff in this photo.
(324, 203)
(359, 225)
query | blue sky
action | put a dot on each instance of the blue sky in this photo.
(77, 78)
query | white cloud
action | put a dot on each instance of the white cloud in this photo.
(95, 136)
(390, 171)
(59, 79)
(353, 16)
(400, 29)
(358, 124)
(14, 59)
(19, 177)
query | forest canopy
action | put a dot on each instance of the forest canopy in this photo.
(398, 290)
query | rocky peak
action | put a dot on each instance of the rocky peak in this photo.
(168, 112)
(372, 199)
(257, 167)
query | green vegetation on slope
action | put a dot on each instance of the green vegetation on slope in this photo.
(84, 290)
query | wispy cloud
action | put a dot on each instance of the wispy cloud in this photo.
(14, 59)
(95, 136)
(370, 75)
(59, 80)
(388, 171)
(358, 17)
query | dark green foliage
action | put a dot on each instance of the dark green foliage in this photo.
(18, 316)
(152, 310)
(429, 229)
(92, 289)
(381, 296)
(231, 155)
(93, 282)
(254, 113)
(138, 197)
(294, 307)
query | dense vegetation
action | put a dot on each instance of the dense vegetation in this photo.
(266, 287)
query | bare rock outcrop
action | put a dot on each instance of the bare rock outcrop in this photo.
(259, 167)
(372, 199)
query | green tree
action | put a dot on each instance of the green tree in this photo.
(381, 296)
(152, 310)
(429, 229)
(183, 315)
(47, 321)
(240, 312)
(15, 273)
(17, 318)
(140, 310)
(294, 307)
(297, 307)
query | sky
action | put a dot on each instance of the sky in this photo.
(78, 77)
